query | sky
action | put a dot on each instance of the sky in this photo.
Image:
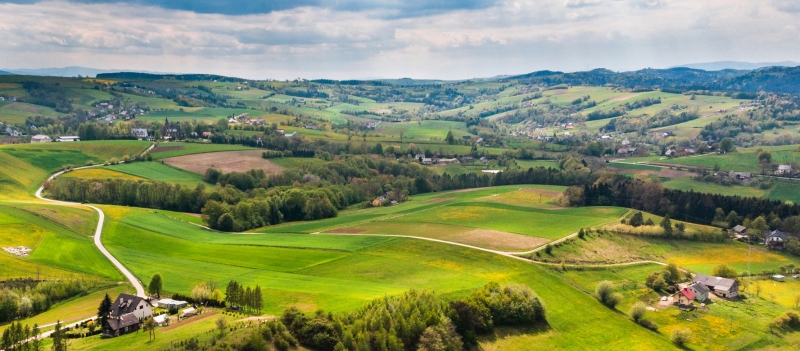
(359, 39)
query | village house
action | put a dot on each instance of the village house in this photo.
(784, 170)
(126, 315)
(625, 142)
(206, 135)
(467, 159)
(670, 152)
(292, 134)
(419, 157)
(700, 291)
(738, 231)
(775, 240)
(626, 151)
(723, 287)
(740, 175)
(427, 161)
(140, 133)
(68, 138)
(311, 126)
(40, 139)
(484, 160)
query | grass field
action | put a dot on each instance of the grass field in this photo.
(181, 149)
(700, 257)
(723, 325)
(156, 171)
(345, 277)
(59, 251)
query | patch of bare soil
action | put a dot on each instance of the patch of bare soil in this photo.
(346, 231)
(226, 161)
(497, 240)
(201, 317)
(672, 173)
(166, 148)
(441, 199)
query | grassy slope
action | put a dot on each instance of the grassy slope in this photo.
(58, 250)
(342, 280)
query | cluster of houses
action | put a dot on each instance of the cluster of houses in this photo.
(773, 239)
(421, 158)
(129, 311)
(108, 112)
(245, 119)
(702, 285)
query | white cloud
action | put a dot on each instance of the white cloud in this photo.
(513, 36)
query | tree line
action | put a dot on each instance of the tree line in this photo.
(651, 196)
(32, 298)
(416, 320)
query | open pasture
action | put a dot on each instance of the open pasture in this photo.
(17, 112)
(699, 257)
(343, 280)
(166, 150)
(52, 156)
(543, 223)
(58, 249)
(156, 171)
(227, 161)
(722, 325)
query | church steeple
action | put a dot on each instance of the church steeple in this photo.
(166, 120)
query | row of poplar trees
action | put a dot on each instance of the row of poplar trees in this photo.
(248, 298)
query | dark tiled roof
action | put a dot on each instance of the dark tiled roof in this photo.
(125, 320)
(124, 304)
(700, 287)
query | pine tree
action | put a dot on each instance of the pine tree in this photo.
(259, 299)
(59, 342)
(104, 310)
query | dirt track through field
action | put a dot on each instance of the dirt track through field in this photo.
(226, 161)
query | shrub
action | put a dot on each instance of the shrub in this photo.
(681, 337)
(637, 311)
(606, 295)
(649, 324)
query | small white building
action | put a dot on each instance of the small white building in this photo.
(172, 305)
(40, 138)
(68, 138)
(779, 278)
(161, 320)
(188, 312)
(784, 170)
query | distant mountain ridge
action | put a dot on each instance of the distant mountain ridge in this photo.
(679, 79)
(4, 73)
(737, 65)
(71, 71)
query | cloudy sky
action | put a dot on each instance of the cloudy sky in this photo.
(354, 39)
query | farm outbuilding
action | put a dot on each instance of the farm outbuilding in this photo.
(172, 305)
(723, 287)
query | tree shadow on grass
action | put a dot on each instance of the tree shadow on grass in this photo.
(504, 332)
